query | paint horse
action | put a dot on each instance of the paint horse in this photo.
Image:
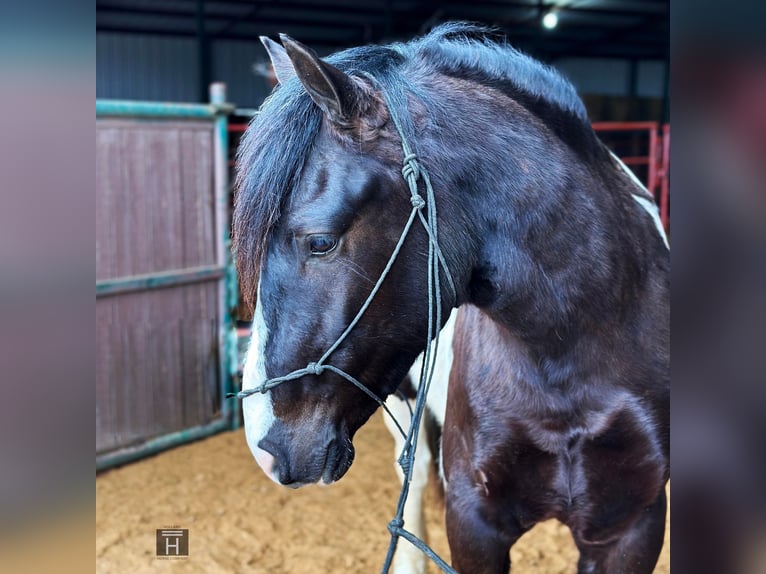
(558, 400)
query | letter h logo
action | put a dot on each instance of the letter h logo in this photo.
(172, 542)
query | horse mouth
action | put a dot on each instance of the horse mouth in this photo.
(334, 470)
(338, 461)
(311, 468)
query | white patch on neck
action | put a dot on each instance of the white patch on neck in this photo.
(644, 200)
(437, 394)
(257, 409)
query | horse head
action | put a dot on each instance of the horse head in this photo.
(321, 205)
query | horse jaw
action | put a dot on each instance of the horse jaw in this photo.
(257, 409)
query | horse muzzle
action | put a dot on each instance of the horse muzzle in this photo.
(293, 460)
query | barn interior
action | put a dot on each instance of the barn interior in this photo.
(614, 51)
(177, 82)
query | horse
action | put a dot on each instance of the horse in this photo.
(558, 396)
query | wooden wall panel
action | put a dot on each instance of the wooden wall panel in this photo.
(157, 366)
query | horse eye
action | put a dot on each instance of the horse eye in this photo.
(322, 244)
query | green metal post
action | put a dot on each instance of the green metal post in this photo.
(165, 110)
(228, 289)
(159, 444)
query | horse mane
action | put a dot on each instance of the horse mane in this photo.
(455, 48)
(281, 135)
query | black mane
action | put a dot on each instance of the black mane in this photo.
(462, 49)
(281, 136)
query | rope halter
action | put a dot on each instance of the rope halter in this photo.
(412, 172)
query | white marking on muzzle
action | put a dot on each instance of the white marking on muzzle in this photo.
(257, 409)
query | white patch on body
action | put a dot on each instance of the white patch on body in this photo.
(654, 213)
(257, 409)
(647, 201)
(437, 394)
(408, 559)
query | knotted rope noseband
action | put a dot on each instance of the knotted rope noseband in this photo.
(412, 171)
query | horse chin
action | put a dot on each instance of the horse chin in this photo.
(320, 483)
(325, 481)
(297, 485)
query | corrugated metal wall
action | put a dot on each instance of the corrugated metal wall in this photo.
(155, 68)
(611, 77)
(233, 64)
(147, 67)
(161, 68)
(157, 368)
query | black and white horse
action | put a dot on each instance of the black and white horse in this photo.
(558, 400)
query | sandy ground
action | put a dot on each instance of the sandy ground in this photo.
(239, 521)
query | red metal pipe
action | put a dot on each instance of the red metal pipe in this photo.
(624, 126)
(653, 161)
(665, 177)
(635, 160)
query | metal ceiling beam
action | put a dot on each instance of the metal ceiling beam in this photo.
(578, 35)
(365, 22)
(273, 24)
(233, 21)
(656, 5)
(547, 5)
(229, 22)
(361, 10)
(542, 50)
(606, 53)
(105, 8)
(332, 42)
(354, 8)
(621, 36)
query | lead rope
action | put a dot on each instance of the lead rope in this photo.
(411, 172)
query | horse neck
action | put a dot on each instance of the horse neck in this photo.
(548, 239)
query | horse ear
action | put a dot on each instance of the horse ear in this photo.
(333, 91)
(283, 67)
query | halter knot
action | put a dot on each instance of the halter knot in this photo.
(314, 369)
(417, 201)
(395, 524)
(404, 462)
(410, 167)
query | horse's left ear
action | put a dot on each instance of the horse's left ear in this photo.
(336, 94)
(283, 67)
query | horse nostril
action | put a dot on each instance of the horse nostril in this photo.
(284, 478)
(280, 467)
(282, 473)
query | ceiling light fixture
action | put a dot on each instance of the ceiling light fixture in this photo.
(550, 20)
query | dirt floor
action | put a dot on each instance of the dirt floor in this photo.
(239, 521)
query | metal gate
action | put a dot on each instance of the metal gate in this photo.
(165, 283)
